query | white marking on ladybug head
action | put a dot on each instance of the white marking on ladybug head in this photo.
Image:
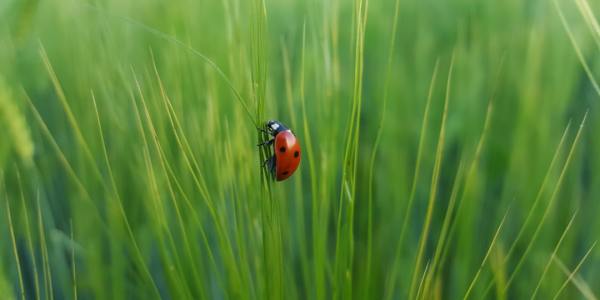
(274, 126)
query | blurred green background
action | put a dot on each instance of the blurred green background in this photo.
(450, 149)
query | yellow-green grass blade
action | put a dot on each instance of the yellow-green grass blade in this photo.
(391, 281)
(174, 40)
(73, 265)
(485, 258)
(572, 274)
(433, 187)
(29, 236)
(46, 267)
(577, 48)
(444, 231)
(538, 198)
(392, 47)
(581, 285)
(14, 248)
(550, 203)
(547, 266)
(138, 252)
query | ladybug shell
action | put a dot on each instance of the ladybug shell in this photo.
(287, 155)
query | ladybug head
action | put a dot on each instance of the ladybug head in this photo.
(275, 127)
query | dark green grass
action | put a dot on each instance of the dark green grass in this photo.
(449, 149)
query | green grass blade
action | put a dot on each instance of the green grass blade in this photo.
(550, 202)
(572, 274)
(433, 187)
(547, 266)
(581, 285)
(407, 215)
(14, 248)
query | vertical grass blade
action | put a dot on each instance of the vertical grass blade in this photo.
(433, 187)
(14, 248)
(391, 281)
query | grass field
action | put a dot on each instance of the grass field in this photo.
(450, 149)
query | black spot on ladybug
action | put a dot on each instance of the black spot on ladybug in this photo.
(282, 149)
(284, 173)
(296, 153)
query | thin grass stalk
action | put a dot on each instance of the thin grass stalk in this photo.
(486, 256)
(391, 281)
(14, 248)
(378, 136)
(137, 250)
(581, 285)
(29, 238)
(44, 251)
(572, 274)
(316, 229)
(73, 265)
(547, 266)
(344, 235)
(578, 51)
(550, 202)
(166, 238)
(545, 181)
(433, 188)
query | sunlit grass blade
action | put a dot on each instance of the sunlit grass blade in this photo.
(29, 237)
(344, 246)
(590, 19)
(572, 274)
(485, 258)
(69, 112)
(272, 244)
(46, 268)
(531, 211)
(550, 203)
(163, 229)
(14, 248)
(73, 265)
(499, 271)
(174, 40)
(392, 47)
(309, 156)
(581, 285)
(423, 238)
(444, 230)
(165, 165)
(576, 47)
(547, 266)
(66, 164)
(449, 222)
(391, 280)
(138, 252)
(422, 280)
(540, 193)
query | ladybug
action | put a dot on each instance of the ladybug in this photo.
(286, 148)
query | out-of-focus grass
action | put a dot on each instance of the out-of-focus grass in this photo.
(446, 149)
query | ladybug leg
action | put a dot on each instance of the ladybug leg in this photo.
(265, 162)
(270, 165)
(269, 162)
(266, 143)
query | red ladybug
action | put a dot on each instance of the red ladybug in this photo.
(286, 148)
